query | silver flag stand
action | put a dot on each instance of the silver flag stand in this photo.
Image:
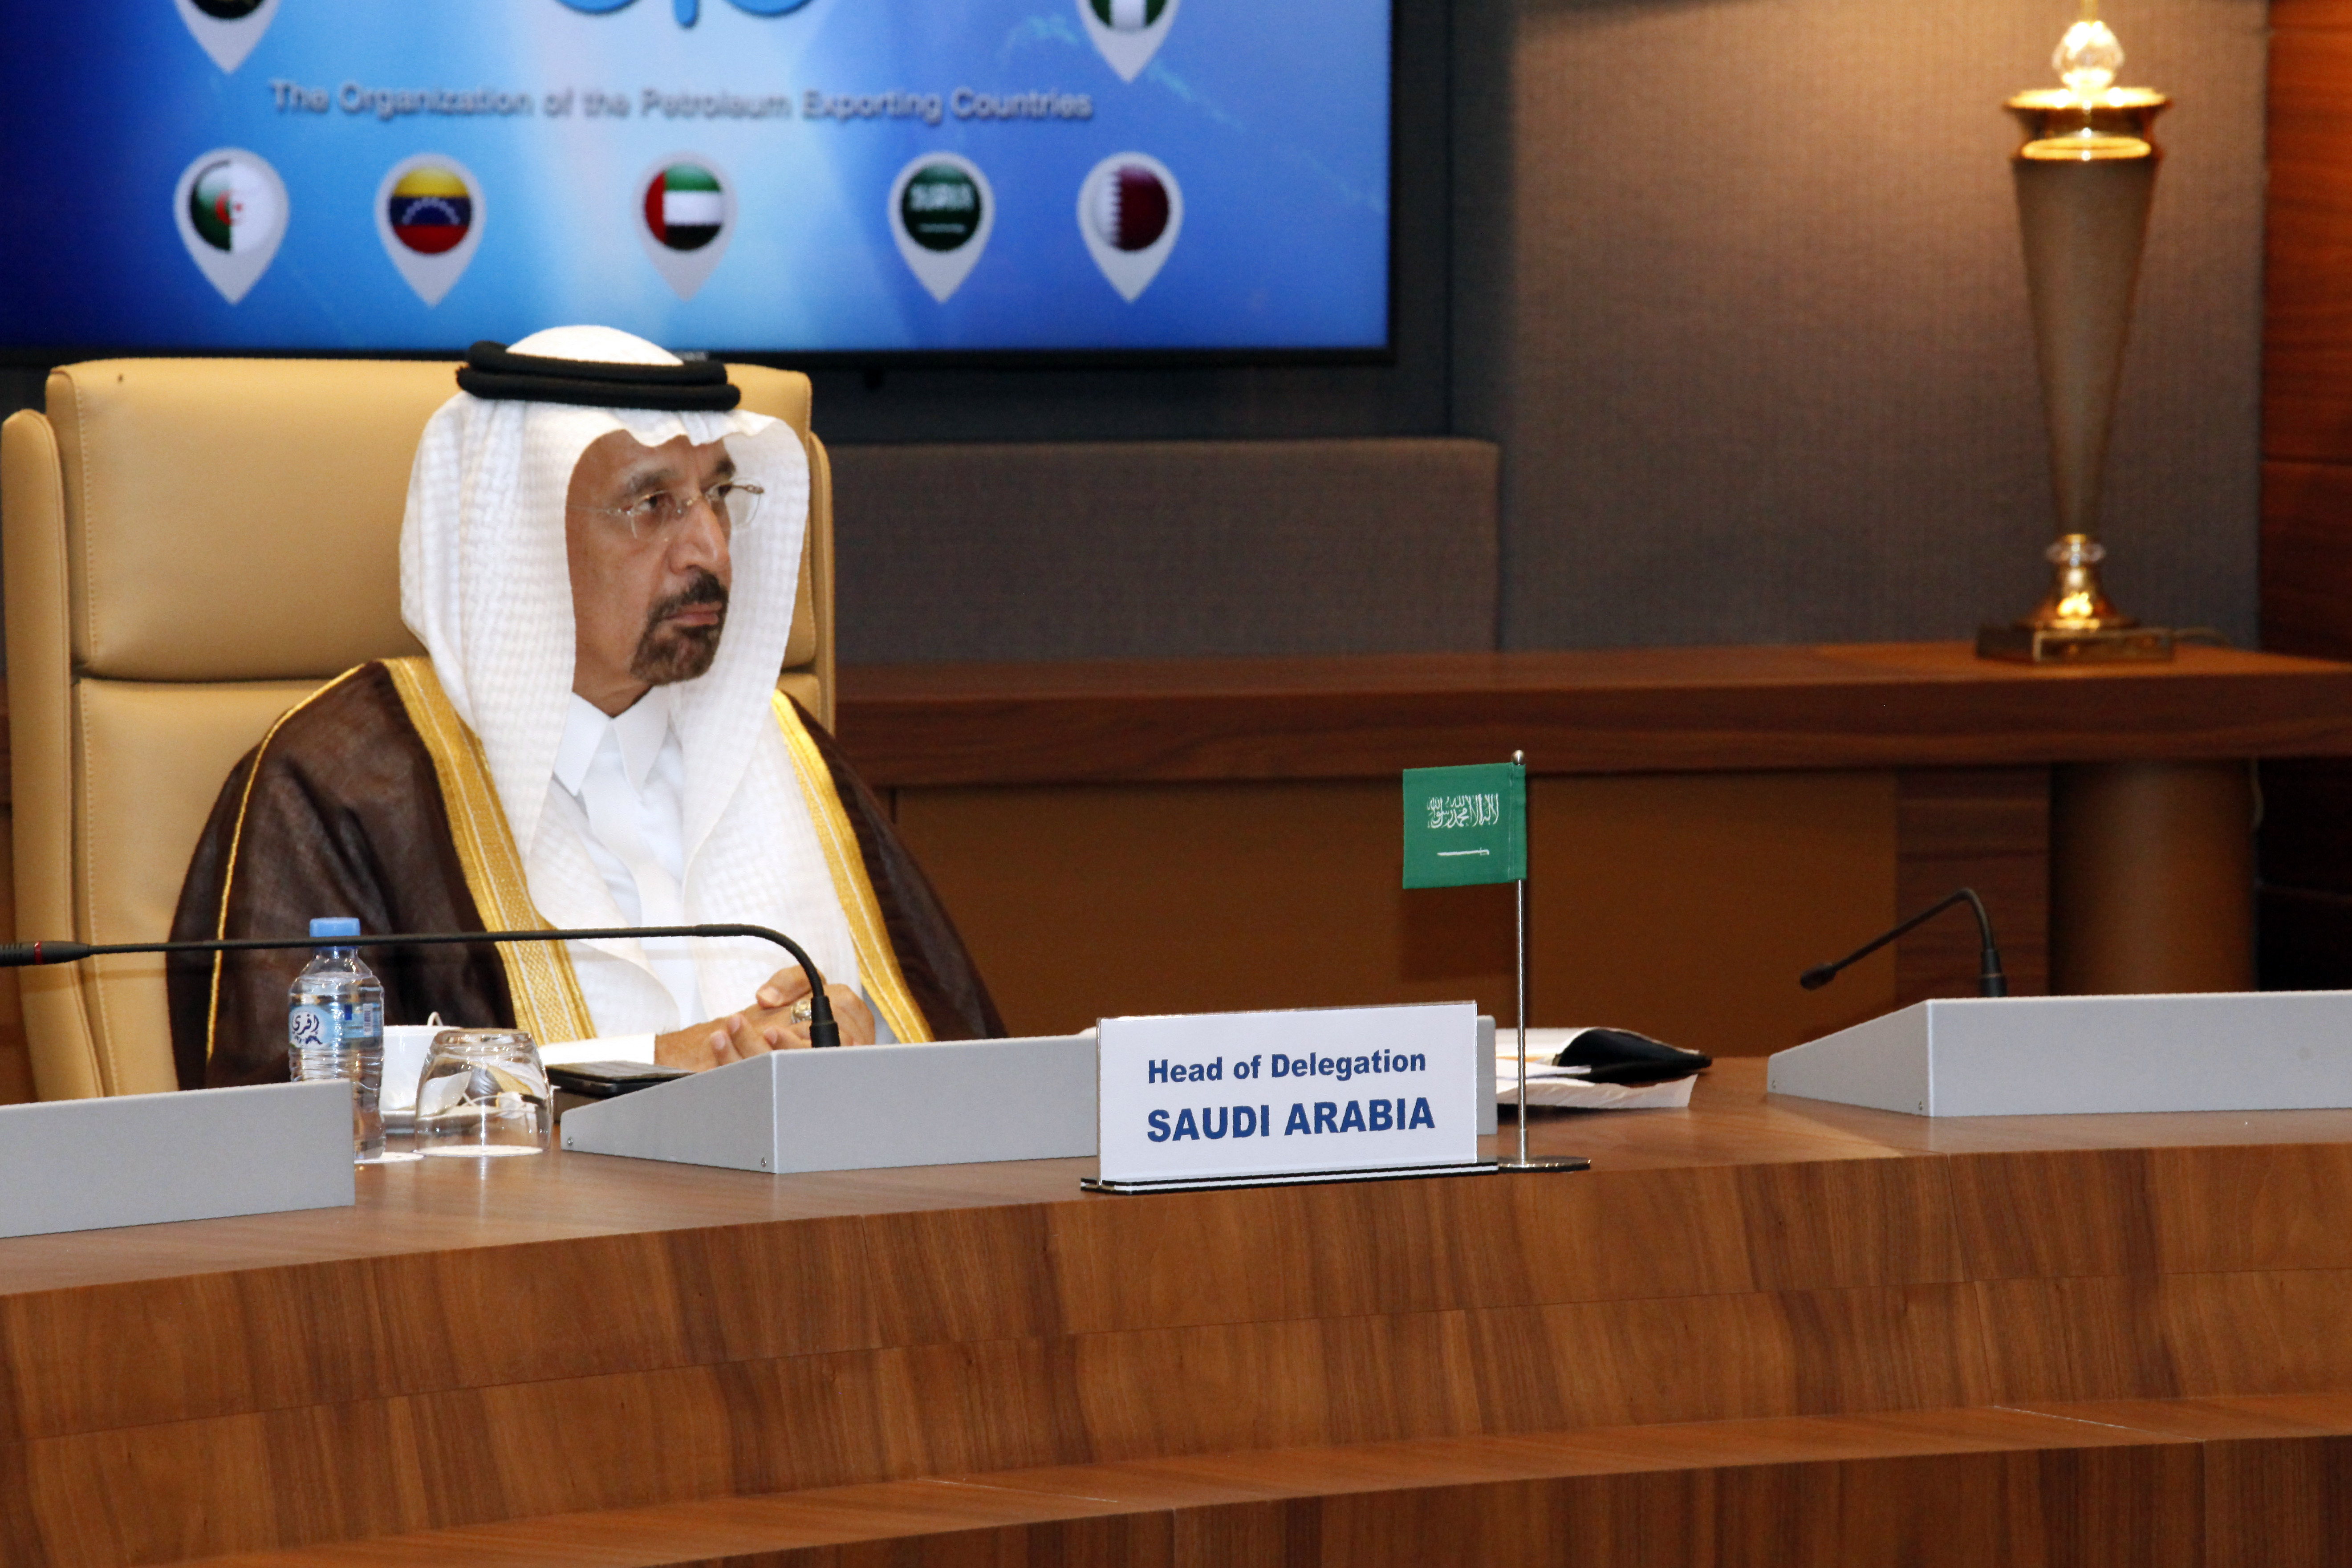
(1519, 893)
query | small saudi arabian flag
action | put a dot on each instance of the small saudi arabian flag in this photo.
(1128, 15)
(1466, 825)
(685, 208)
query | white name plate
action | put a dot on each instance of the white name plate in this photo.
(203, 1153)
(2044, 1055)
(861, 1108)
(1321, 1094)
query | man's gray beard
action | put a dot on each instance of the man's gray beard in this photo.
(668, 654)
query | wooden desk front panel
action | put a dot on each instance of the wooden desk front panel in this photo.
(470, 1347)
(1681, 905)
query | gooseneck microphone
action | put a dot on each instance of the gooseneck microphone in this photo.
(822, 1029)
(1991, 981)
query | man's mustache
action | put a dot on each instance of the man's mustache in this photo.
(706, 589)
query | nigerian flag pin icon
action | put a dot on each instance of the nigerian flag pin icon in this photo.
(686, 217)
(1126, 33)
(1131, 210)
(941, 212)
(231, 210)
(227, 29)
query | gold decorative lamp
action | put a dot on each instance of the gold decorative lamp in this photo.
(2085, 176)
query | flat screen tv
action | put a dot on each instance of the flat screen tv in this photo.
(837, 179)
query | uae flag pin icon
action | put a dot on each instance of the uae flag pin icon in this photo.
(428, 213)
(227, 29)
(231, 210)
(941, 212)
(1126, 33)
(1131, 210)
(686, 216)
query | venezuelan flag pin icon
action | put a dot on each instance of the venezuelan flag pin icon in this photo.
(941, 212)
(685, 208)
(227, 29)
(1126, 33)
(1131, 210)
(231, 209)
(428, 213)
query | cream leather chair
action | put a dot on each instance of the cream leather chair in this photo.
(189, 547)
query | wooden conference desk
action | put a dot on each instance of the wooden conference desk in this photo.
(1761, 1332)
(1706, 823)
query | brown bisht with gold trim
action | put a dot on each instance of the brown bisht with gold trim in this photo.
(371, 799)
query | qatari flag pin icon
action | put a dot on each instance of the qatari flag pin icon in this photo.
(941, 213)
(428, 213)
(1131, 210)
(685, 216)
(231, 210)
(227, 29)
(1126, 33)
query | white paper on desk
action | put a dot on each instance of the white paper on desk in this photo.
(1568, 1088)
(404, 1045)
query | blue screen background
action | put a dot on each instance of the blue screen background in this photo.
(1274, 118)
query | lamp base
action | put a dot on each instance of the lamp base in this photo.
(2061, 644)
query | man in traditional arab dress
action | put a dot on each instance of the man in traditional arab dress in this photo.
(599, 556)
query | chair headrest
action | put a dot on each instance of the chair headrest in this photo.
(269, 493)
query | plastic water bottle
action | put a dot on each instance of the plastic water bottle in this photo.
(334, 1029)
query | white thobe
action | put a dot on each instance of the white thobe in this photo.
(620, 781)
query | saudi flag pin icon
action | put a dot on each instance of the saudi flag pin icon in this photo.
(685, 215)
(941, 211)
(227, 29)
(1126, 33)
(1131, 210)
(231, 208)
(428, 213)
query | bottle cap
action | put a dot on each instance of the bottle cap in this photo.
(335, 925)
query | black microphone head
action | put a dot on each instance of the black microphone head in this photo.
(1819, 975)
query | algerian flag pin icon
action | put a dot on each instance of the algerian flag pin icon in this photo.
(941, 213)
(231, 209)
(685, 208)
(1126, 33)
(1130, 209)
(428, 213)
(227, 29)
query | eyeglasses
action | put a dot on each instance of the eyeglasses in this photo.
(658, 515)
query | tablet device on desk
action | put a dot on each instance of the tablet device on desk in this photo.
(603, 1081)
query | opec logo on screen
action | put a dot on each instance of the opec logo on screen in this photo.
(686, 11)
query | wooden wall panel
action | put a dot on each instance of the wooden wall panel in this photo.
(2298, 15)
(2307, 294)
(1988, 828)
(2307, 557)
(2305, 913)
(1084, 901)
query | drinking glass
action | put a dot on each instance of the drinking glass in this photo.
(483, 1092)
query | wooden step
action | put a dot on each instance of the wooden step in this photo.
(2190, 1481)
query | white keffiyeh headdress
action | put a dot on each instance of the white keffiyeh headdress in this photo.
(485, 583)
